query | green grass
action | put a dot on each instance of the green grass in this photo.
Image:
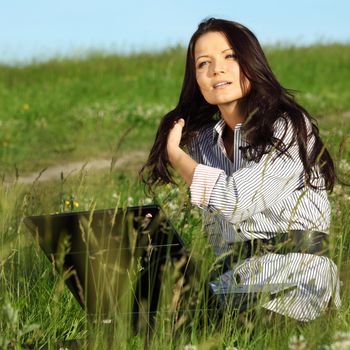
(68, 110)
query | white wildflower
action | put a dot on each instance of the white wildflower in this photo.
(338, 189)
(148, 200)
(341, 341)
(297, 343)
(344, 166)
(173, 206)
(190, 347)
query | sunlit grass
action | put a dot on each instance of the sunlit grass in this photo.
(106, 107)
(71, 109)
(35, 302)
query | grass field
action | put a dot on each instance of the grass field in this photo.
(109, 107)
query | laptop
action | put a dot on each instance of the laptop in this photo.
(113, 261)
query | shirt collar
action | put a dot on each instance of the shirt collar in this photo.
(219, 129)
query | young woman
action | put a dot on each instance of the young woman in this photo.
(256, 166)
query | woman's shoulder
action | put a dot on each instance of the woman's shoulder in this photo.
(204, 132)
(286, 127)
(199, 139)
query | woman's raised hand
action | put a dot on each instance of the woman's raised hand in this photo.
(174, 138)
(179, 159)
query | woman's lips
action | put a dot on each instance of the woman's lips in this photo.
(221, 84)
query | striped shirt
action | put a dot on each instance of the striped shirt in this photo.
(243, 200)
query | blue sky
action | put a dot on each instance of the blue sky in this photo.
(44, 28)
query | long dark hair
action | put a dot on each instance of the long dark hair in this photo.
(266, 101)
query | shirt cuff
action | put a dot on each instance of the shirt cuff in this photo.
(203, 182)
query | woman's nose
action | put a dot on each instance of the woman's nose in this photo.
(218, 67)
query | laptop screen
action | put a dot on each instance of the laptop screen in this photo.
(112, 259)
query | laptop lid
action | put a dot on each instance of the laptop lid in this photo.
(111, 259)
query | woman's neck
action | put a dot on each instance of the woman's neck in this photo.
(231, 114)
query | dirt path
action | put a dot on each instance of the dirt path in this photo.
(73, 168)
(134, 158)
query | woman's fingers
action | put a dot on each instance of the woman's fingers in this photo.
(175, 134)
(181, 122)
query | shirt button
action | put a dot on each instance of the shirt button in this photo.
(239, 230)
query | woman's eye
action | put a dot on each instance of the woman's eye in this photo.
(231, 55)
(202, 64)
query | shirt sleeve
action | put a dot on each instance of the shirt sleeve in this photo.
(251, 189)
(203, 182)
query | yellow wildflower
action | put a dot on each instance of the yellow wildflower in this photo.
(25, 107)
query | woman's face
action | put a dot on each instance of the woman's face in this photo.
(217, 70)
